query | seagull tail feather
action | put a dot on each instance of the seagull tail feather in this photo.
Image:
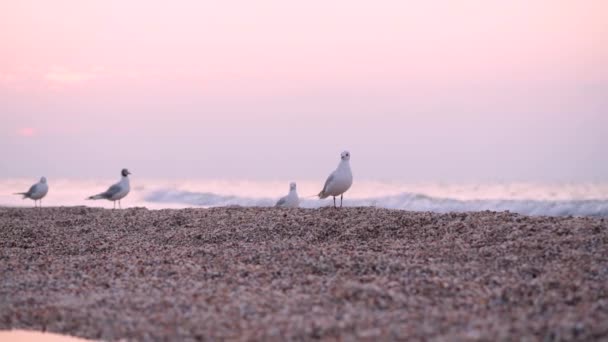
(95, 197)
(322, 194)
(24, 194)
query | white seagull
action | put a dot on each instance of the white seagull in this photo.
(291, 200)
(36, 191)
(117, 191)
(339, 181)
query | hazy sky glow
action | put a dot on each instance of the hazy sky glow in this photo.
(416, 90)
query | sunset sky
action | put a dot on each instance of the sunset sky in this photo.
(465, 90)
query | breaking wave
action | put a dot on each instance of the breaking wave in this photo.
(404, 201)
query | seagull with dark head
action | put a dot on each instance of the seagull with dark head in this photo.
(117, 191)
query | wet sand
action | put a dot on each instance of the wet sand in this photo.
(265, 273)
(33, 336)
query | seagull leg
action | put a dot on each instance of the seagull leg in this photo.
(119, 205)
(334, 201)
(341, 200)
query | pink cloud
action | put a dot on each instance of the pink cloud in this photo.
(7, 77)
(27, 132)
(64, 76)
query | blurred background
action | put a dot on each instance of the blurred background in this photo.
(454, 92)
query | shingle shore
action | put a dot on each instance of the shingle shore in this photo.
(266, 273)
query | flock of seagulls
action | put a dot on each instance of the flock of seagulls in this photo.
(338, 182)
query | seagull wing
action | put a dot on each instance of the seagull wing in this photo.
(281, 202)
(327, 183)
(113, 190)
(33, 189)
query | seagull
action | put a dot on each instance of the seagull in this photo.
(117, 191)
(339, 181)
(291, 200)
(36, 191)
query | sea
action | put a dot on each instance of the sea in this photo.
(545, 199)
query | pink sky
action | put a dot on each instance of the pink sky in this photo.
(519, 78)
(69, 42)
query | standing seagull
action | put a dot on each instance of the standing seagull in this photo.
(339, 181)
(291, 200)
(36, 191)
(117, 191)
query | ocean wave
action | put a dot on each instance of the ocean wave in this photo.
(404, 201)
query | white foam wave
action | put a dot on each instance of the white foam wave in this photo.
(404, 201)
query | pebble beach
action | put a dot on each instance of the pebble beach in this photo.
(236, 273)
